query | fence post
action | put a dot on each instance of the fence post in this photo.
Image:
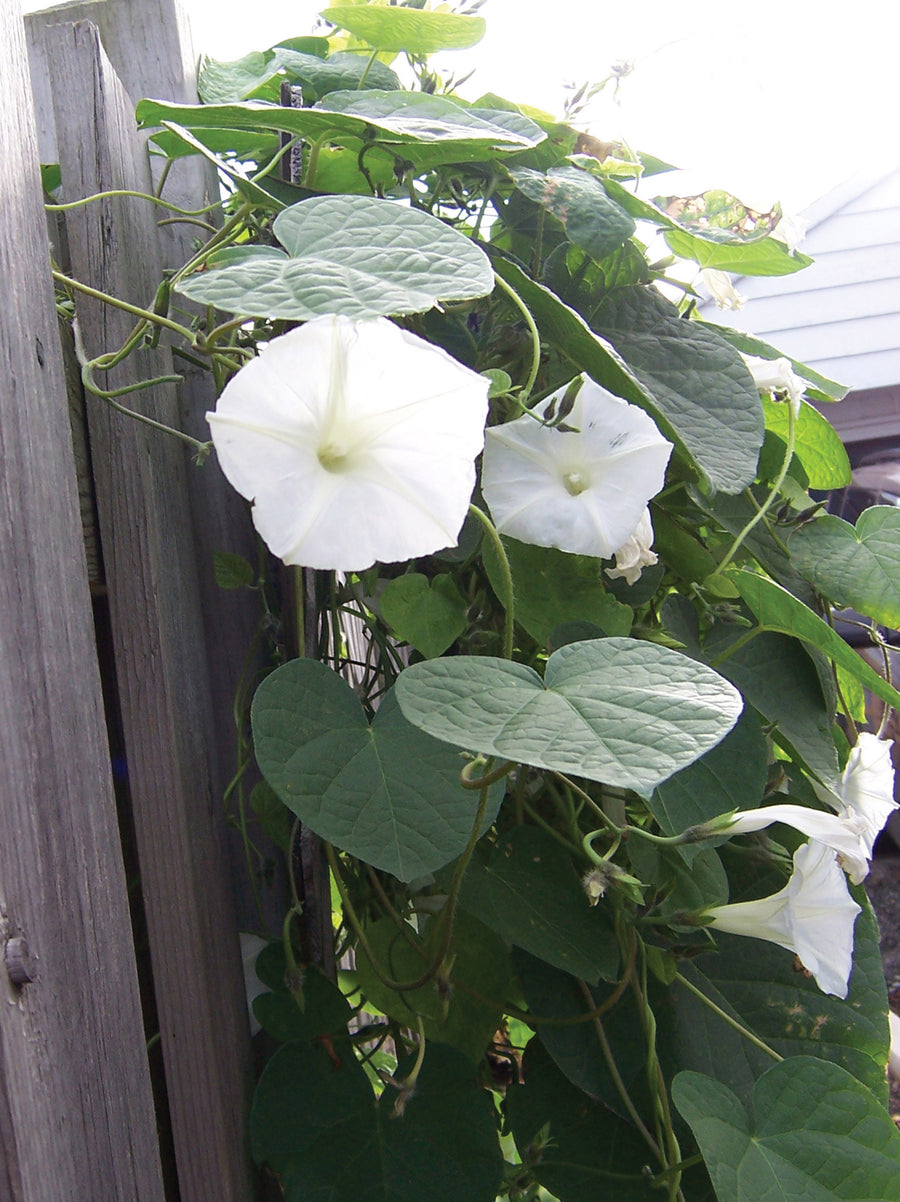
(76, 1114)
(142, 485)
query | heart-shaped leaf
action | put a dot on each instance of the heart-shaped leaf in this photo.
(427, 614)
(817, 1134)
(404, 29)
(317, 1123)
(526, 890)
(616, 710)
(352, 255)
(593, 221)
(387, 792)
(857, 567)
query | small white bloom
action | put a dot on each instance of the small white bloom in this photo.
(582, 490)
(845, 835)
(864, 795)
(251, 946)
(791, 230)
(719, 286)
(776, 376)
(356, 442)
(635, 554)
(812, 916)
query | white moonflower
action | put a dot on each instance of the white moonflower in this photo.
(776, 376)
(791, 230)
(355, 440)
(812, 916)
(582, 490)
(845, 835)
(864, 795)
(635, 554)
(719, 286)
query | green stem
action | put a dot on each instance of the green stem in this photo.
(770, 499)
(737, 645)
(366, 70)
(312, 160)
(202, 449)
(496, 774)
(491, 185)
(166, 204)
(732, 1022)
(506, 582)
(533, 331)
(135, 310)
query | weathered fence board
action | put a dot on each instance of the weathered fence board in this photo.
(76, 1115)
(141, 480)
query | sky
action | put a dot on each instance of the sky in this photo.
(772, 102)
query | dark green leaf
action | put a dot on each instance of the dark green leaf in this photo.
(386, 793)
(272, 814)
(526, 889)
(325, 1010)
(232, 571)
(823, 389)
(427, 614)
(592, 220)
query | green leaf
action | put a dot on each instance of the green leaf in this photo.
(731, 776)
(685, 887)
(352, 255)
(552, 587)
(319, 1126)
(817, 446)
(325, 1009)
(858, 567)
(242, 144)
(478, 961)
(526, 889)
(232, 571)
(816, 1134)
(700, 386)
(775, 609)
(234, 171)
(427, 614)
(386, 793)
(51, 177)
(766, 256)
(592, 220)
(583, 1152)
(272, 814)
(574, 1047)
(416, 32)
(616, 710)
(758, 983)
(260, 75)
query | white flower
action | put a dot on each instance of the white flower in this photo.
(356, 442)
(251, 946)
(582, 490)
(634, 554)
(776, 376)
(719, 286)
(791, 230)
(865, 793)
(812, 916)
(845, 835)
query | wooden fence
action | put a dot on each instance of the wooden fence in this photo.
(79, 1115)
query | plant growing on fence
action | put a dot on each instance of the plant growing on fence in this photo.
(593, 794)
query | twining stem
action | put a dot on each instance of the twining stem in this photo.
(145, 314)
(366, 69)
(507, 599)
(525, 392)
(732, 1022)
(770, 499)
(166, 204)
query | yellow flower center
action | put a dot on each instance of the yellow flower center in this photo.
(333, 456)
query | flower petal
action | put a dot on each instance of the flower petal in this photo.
(356, 442)
(842, 834)
(582, 490)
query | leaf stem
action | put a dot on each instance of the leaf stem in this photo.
(166, 204)
(525, 392)
(770, 499)
(726, 1017)
(135, 310)
(508, 600)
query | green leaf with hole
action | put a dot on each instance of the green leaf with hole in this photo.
(814, 1133)
(527, 890)
(817, 446)
(316, 1122)
(776, 609)
(593, 221)
(413, 31)
(386, 793)
(617, 710)
(552, 587)
(427, 614)
(854, 566)
(352, 255)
